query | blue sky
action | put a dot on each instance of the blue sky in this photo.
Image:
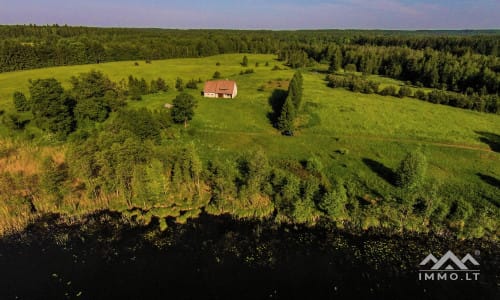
(251, 14)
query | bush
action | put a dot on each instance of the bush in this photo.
(389, 90)
(405, 91)
(216, 75)
(420, 94)
(411, 171)
(314, 165)
(247, 71)
(192, 84)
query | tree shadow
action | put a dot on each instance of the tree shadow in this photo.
(276, 101)
(384, 172)
(489, 179)
(492, 139)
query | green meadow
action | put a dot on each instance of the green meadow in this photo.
(343, 129)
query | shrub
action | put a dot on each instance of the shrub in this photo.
(411, 171)
(247, 71)
(216, 75)
(389, 90)
(420, 94)
(192, 84)
(405, 91)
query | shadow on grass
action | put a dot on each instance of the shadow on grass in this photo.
(492, 139)
(384, 172)
(489, 180)
(276, 101)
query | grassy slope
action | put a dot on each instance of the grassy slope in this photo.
(372, 127)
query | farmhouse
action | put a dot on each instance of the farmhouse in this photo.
(220, 89)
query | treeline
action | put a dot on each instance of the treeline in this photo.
(28, 47)
(479, 102)
(466, 73)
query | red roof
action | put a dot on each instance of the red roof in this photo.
(219, 86)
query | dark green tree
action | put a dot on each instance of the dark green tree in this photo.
(287, 116)
(183, 108)
(51, 107)
(335, 60)
(161, 85)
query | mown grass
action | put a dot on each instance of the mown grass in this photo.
(345, 129)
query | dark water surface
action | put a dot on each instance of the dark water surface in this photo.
(104, 257)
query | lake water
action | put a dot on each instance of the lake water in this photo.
(105, 257)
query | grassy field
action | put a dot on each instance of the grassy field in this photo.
(345, 130)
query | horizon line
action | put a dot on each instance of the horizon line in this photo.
(256, 28)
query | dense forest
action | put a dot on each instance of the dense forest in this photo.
(465, 62)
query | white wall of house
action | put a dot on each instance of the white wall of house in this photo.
(235, 90)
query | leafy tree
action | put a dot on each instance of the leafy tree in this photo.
(142, 123)
(93, 84)
(334, 202)
(95, 109)
(183, 108)
(20, 102)
(135, 89)
(51, 106)
(412, 170)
